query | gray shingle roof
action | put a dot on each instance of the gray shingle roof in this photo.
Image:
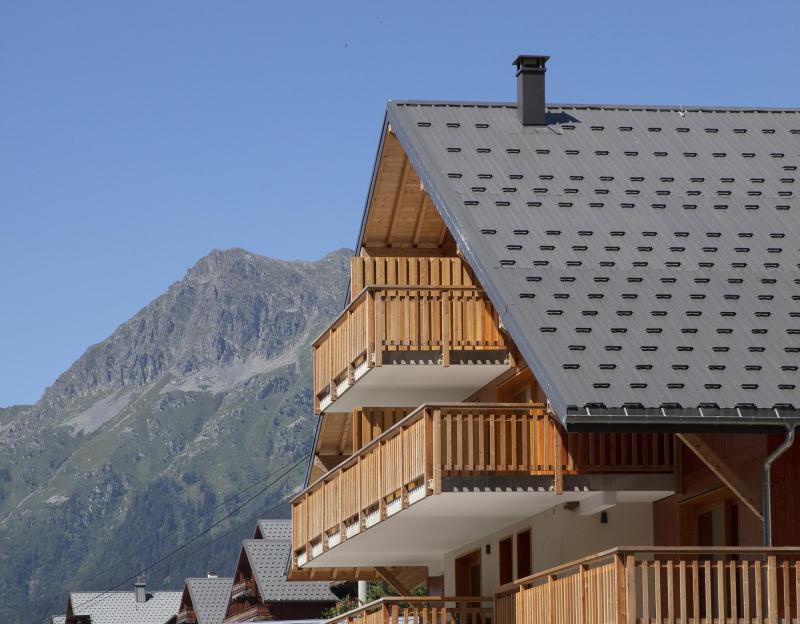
(268, 559)
(641, 257)
(121, 607)
(210, 597)
(58, 619)
(275, 529)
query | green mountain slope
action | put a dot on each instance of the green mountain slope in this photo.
(144, 441)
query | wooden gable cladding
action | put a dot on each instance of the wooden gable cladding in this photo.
(408, 271)
(400, 213)
(369, 423)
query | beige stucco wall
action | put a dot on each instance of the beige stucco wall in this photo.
(559, 536)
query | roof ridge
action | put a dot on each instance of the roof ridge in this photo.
(597, 106)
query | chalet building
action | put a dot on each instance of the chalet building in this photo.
(564, 385)
(122, 607)
(260, 590)
(204, 600)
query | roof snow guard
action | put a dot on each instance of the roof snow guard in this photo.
(646, 260)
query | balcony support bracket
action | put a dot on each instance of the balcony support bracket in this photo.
(723, 471)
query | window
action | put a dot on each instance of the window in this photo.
(524, 567)
(506, 561)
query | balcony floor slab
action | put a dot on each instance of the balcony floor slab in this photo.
(439, 524)
(412, 384)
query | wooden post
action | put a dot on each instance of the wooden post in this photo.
(772, 590)
(619, 578)
(370, 328)
(436, 450)
(558, 475)
(630, 589)
(446, 328)
(380, 335)
(584, 590)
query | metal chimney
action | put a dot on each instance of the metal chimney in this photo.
(530, 89)
(140, 589)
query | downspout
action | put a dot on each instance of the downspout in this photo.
(767, 482)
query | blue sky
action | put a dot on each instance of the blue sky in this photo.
(137, 136)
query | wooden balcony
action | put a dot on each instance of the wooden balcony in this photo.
(420, 610)
(242, 612)
(658, 585)
(246, 588)
(411, 460)
(422, 311)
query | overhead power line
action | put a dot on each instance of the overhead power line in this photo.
(283, 473)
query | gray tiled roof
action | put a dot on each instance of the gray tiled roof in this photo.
(121, 607)
(641, 257)
(268, 560)
(275, 529)
(58, 619)
(210, 597)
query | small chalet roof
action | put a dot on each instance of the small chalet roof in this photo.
(274, 529)
(120, 607)
(58, 619)
(268, 559)
(645, 260)
(210, 597)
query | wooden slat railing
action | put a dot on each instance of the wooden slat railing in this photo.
(421, 610)
(243, 612)
(410, 459)
(408, 271)
(385, 319)
(654, 585)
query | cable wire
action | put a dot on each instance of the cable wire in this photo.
(205, 531)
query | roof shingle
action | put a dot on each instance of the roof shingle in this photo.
(643, 258)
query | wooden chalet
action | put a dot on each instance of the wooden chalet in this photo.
(260, 590)
(204, 600)
(565, 384)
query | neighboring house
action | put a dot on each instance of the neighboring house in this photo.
(260, 590)
(123, 607)
(58, 619)
(204, 600)
(567, 367)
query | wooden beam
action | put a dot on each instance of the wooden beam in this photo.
(421, 210)
(396, 206)
(723, 471)
(387, 575)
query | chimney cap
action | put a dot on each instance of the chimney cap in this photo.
(531, 62)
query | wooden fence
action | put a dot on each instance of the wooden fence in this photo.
(420, 610)
(660, 584)
(410, 459)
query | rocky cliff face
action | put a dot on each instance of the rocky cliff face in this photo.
(150, 435)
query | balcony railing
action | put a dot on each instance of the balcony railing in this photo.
(382, 320)
(420, 610)
(390, 271)
(409, 460)
(703, 585)
(238, 612)
(246, 588)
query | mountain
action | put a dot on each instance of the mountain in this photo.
(161, 429)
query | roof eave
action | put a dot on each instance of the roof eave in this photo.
(436, 191)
